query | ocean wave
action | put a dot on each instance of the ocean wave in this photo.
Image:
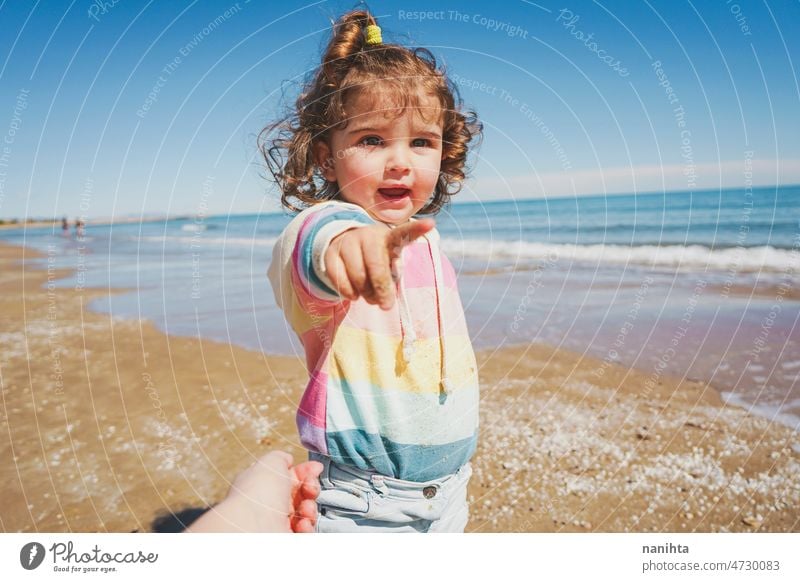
(777, 411)
(688, 257)
(198, 226)
(662, 225)
(192, 227)
(692, 257)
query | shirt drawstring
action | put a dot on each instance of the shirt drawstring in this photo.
(438, 279)
(406, 326)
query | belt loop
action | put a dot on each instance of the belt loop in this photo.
(324, 477)
(379, 484)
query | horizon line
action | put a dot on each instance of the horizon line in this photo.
(183, 215)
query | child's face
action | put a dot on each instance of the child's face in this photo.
(387, 165)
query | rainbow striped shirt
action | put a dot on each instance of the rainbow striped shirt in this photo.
(391, 391)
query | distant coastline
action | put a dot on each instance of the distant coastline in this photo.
(8, 224)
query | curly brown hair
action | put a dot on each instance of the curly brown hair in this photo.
(396, 76)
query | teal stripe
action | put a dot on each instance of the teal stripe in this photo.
(307, 245)
(399, 414)
(369, 451)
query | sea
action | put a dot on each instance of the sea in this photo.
(698, 285)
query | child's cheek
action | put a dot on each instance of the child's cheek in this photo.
(363, 170)
(431, 172)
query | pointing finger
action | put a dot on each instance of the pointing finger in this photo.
(407, 233)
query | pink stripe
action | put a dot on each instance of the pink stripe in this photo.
(422, 304)
(448, 273)
(317, 340)
(312, 404)
(418, 267)
(362, 315)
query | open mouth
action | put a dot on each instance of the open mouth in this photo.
(394, 192)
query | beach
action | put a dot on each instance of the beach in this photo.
(110, 425)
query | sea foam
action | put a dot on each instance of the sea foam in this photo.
(692, 257)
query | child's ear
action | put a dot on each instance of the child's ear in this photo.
(324, 160)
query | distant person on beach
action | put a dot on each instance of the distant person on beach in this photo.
(64, 226)
(79, 230)
(391, 407)
(271, 496)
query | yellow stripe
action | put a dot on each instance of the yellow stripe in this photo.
(303, 321)
(362, 356)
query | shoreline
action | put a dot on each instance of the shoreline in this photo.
(113, 423)
(56, 224)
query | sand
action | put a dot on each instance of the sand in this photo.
(111, 425)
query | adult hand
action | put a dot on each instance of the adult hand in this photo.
(272, 495)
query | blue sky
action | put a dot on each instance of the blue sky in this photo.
(129, 108)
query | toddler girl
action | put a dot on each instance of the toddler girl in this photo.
(391, 406)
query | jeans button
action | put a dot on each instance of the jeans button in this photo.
(429, 492)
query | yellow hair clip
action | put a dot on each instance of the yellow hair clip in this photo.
(373, 34)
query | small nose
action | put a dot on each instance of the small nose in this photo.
(398, 157)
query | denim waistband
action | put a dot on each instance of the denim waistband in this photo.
(389, 485)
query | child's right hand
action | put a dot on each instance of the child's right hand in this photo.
(359, 261)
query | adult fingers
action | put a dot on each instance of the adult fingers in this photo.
(303, 519)
(302, 525)
(307, 509)
(307, 478)
(310, 488)
(308, 469)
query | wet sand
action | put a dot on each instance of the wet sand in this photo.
(109, 425)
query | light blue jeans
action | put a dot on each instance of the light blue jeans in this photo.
(354, 500)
